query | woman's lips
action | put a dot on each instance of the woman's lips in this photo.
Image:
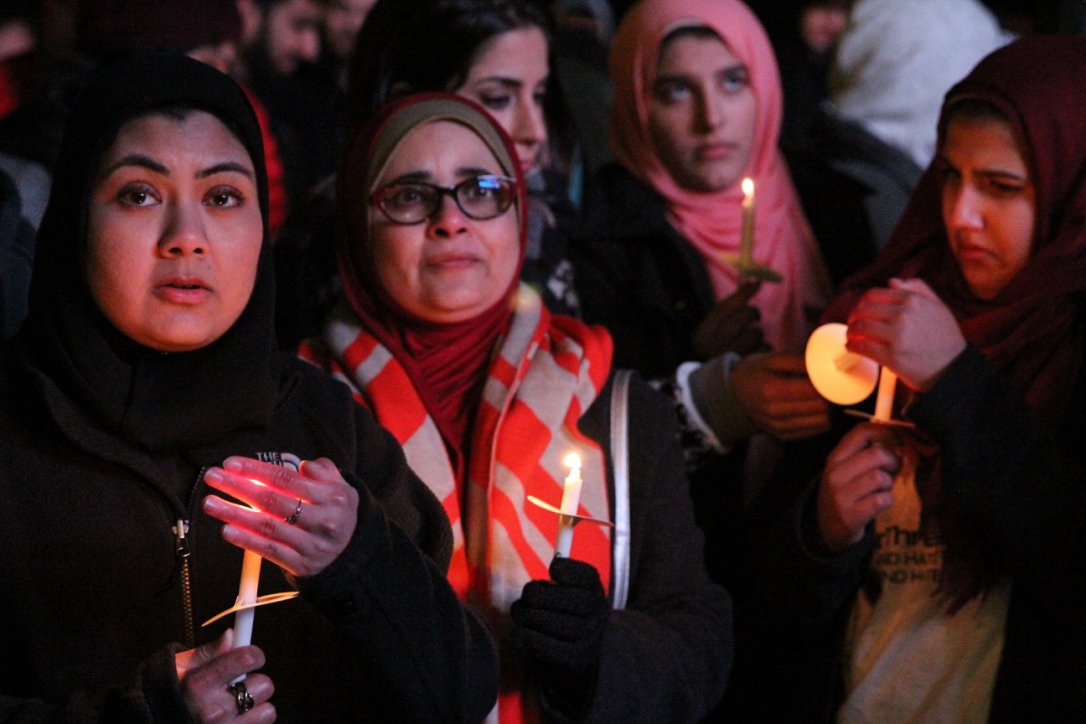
(451, 260)
(714, 151)
(183, 290)
(968, 252)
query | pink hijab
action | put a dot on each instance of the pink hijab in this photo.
(712, 221)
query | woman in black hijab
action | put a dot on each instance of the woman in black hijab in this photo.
(146, 372)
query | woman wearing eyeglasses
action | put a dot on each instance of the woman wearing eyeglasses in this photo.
(487, 391)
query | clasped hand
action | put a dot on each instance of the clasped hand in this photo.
(321, 504)
(907, 328)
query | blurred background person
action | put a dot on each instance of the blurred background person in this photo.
(342, 21)
(280, 48)
(24, 182)
(867, 144)
(804, 34)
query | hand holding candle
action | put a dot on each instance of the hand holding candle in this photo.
(314, 513)
(905, 327)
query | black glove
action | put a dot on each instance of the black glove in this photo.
(560, 622)
(559, 628)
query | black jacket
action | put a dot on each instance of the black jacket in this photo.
(637, 276)
(92, 606)
(666, 656)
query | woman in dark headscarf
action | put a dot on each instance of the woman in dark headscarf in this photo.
(955, 551)
(144, 374)
(487, 391)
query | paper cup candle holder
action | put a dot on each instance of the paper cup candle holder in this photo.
(846, 378)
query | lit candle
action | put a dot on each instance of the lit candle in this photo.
(746, 242)
(571, 498)
(884, 403)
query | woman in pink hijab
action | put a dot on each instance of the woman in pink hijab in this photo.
(697, 109)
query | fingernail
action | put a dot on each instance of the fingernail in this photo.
(213, 475)
(233, 464)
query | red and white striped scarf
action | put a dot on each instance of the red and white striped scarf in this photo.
(548, 370)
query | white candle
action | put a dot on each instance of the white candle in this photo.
(571, 498)
(746, 242)
(884, 403)
(247, 593)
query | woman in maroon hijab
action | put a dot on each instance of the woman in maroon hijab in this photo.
(951, 555)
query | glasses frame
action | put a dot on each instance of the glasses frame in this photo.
(377, 198)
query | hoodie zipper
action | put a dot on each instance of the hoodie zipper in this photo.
(183, 551)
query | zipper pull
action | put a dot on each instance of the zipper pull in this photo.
(181, 543)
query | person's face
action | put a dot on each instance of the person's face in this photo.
(702, 113)
(450, 267)
(342, 21)
(174, 231)
(989, 203)
(821, 25)
(292, 35)
(509, 79)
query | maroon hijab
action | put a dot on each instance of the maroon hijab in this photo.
(1028, 330)
(1031, 330)
(447, 363)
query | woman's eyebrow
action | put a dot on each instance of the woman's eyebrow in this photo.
(137, 159)
(1002, 173)
(142, 161)
(412, 176)
(226, 167)
(467, 171)
(506, 81)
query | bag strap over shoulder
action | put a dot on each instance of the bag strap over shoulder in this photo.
(620, 574)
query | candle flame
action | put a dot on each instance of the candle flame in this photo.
(573, 460)
(747, 186)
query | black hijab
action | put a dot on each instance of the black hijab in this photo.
(159, 402)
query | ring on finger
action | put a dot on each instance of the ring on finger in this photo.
(293, 517)
(242, 698)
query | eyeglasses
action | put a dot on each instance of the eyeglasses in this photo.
(480, 197)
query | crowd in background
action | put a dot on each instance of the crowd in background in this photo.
(762, 555)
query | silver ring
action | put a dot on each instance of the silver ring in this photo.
(293, 517)
(242, 698)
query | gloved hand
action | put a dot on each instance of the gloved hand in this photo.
(559, 628)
